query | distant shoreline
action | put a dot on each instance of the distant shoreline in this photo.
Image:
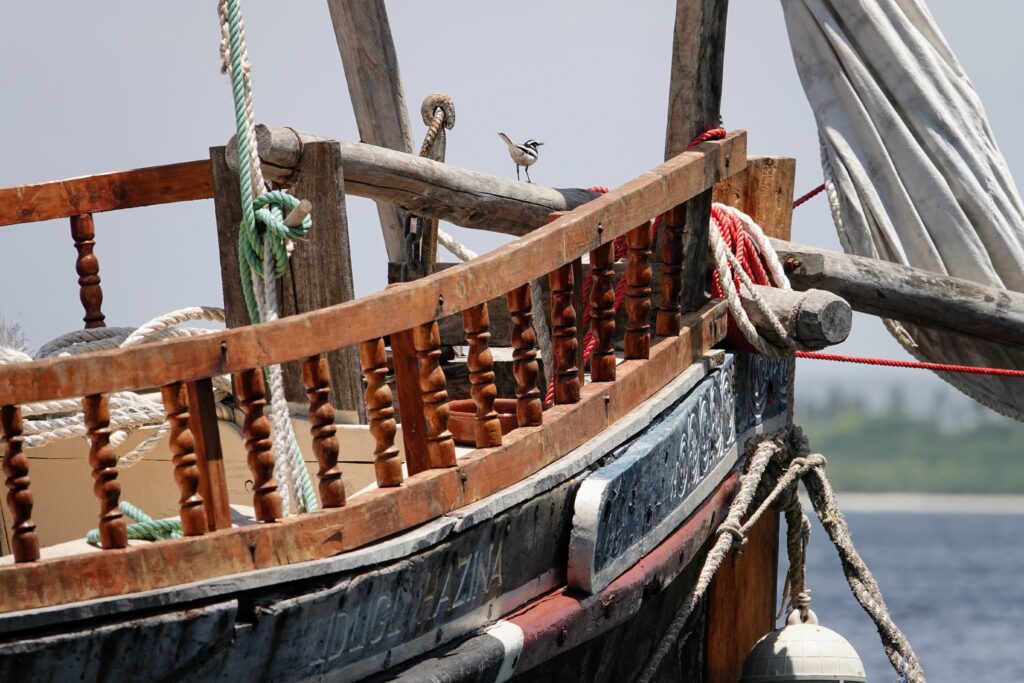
(966, 503)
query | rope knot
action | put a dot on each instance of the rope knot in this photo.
(739, 539)
(271, 209)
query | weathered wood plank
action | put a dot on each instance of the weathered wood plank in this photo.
(443, 293)
(371, 516)
(213, 483)
(182, 182)
(695, 96)
(766, 188)
(911, 295)
(816, 318)
(375, 88)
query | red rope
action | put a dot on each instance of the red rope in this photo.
(938, 367)
(712, 134)
(810, 195)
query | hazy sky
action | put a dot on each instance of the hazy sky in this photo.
(103, 85)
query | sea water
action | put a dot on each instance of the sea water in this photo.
(953, 581)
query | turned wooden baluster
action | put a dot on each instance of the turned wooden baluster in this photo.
(638, 293)
(602, 315)
(386, 464)
(112, 527)
(564, 344)
(317, 378)
(24, 542)
(529, 408)
(426, 339)
(186, 468)
(88, 267)
(480, 361)
(669, 317)
(251, 392)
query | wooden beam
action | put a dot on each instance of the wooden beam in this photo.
(818, 318)
(421, 186)
(106, 192)
(695, 95)
(375, 88)
(372, 515)
(435, 296)
(910, 295)
(766, 188)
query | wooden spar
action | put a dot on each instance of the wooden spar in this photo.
(443, 293)
(818, 318)
(375, 88)
(910, 295)
(421, 186)
(695, 95)
(370, 516)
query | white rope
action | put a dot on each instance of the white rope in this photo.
(160, 325)
(457, 249)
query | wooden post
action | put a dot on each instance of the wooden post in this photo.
(481, 376)
(319, 273)
(103, 460)
(25, 542)
(564, 344)
(321, 426)
(638, 293)
(695, 94)
(529, 407)
(669, 317)
(186, 469)
(410, 407)
(251, 392)
(741, 598)
(88, 267)
(375, 88)
(213, 482)
(380, 412)
(440, 444)
(602, 314)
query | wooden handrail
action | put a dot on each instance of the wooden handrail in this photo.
(444, 293)
(167, 184)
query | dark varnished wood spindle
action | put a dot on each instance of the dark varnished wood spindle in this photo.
(112, 527)
(480, 361)
(564, 344)
(24, 541)
(381, 413)
(529, 407)
(83, 231)
(669, 317)
(602, 314)
(440, 444)
(317, 378)
(251, 392)
(638, 293)
(186, 464)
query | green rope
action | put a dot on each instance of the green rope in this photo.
(268, 209)
(145, 528)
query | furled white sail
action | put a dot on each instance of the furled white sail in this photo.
(911, 165)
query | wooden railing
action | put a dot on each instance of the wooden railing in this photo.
(407, 314)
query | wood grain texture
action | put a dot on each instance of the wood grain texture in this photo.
(637, 340)
(316, 377)
(671, 237)
(480, 361)
(186, 465)
(602, 315)
(83, 232)
(106, 192)
(816, 318)
(741, 601)
(529, 408)
(213, 483)
(564, 343)
(410, 404)
(373, 515)
(24, 541)
(695, 95)
(443, 293)
(434, 398)
(250, 389)
(375, 89)
(103, 460)
(420, 186)
(381, 414)
(764, 191)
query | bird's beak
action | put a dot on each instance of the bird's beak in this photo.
(539, 144)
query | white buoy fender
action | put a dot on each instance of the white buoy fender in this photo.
(803, 651)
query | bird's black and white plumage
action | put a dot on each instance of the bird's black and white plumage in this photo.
(524, 155)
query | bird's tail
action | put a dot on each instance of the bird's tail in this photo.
(511, 145)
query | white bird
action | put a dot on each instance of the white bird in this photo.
(524, 155)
